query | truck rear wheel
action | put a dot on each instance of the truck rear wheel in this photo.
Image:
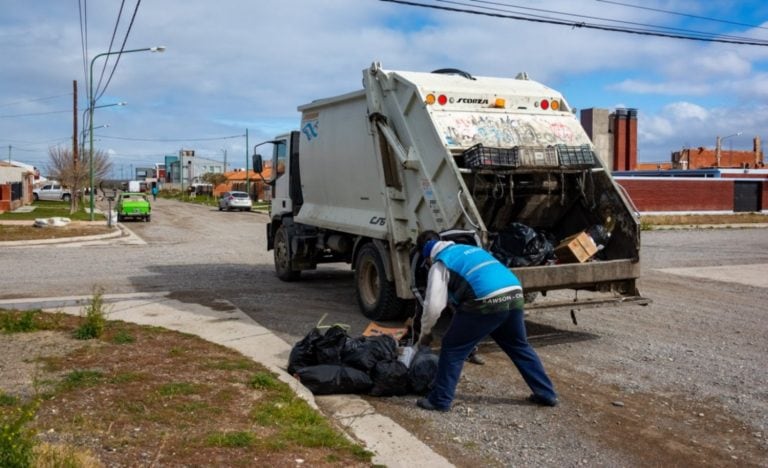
(376, 296)
(283, 257)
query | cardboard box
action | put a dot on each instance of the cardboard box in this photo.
(577, 248)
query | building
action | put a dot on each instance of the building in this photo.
(188, 169)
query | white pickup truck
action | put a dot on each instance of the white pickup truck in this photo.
(53, 191)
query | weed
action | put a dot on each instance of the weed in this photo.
(80, 379)
(264, 381)
(178, 388)
(17, 441)
(63, 456)
(176, 351)
(229, 365)
(19, 322)
(127, 377)
(123, 337)
(95, 318)
(8, 400)
(231, 439)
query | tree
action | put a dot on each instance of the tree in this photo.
(214, 178)
(75, 175)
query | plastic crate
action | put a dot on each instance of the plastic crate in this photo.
(576, 156)
(536, 156)
(486, 157)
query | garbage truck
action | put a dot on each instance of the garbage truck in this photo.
(466, 156)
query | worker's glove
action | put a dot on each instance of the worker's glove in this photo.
(425, 340)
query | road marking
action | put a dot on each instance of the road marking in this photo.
(750, 275)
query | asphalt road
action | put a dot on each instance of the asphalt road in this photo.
(701, 344)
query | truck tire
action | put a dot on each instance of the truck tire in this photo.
(35, 196)
(376, 296)
(283, 257)
(66, 197)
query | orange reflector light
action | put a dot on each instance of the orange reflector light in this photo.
(555, 105)
(500, 103)
(442, 100)
(544, 104)
(430, 99)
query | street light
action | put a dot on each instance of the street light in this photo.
(92, 106)
(720, 144)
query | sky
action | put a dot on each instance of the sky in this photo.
(237, 66)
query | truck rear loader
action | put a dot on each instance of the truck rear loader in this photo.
(367, 171)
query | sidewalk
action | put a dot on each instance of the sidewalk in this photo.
(392, 445)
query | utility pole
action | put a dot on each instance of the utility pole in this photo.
(9, 154)
(74, 123)
(225, 160)
(247, 170)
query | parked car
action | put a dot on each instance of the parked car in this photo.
(51, 192)
(235, 201)
(133, 205)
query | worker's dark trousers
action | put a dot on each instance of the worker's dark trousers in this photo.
(466, 330)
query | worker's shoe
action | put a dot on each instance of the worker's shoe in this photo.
(542, 401)
(475, 359)
(427, 405)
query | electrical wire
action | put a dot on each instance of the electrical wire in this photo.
(34, 113)
(649, 27)
(166, 140)
(109, 50)
(687, 15)
(703, 37)
(122, 48)
(82, 10)
(34, 100)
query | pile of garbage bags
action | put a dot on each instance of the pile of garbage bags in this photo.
(518, 245)
(335, 363)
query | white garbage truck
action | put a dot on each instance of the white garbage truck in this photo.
(467, 156)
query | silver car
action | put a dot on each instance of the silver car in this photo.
(235, 201)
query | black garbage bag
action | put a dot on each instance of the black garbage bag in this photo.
(599, 234)
(330, 379)
(367, 351)
(390, 378)
(328, 348)
(422, 372)
(518, 245)
(303, 352)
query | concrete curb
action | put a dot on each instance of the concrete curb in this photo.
(228, 326)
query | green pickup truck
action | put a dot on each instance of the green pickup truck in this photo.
(133, 205)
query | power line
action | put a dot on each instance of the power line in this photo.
(576, 15)
(34, 113)
(704, 37)
(717, 20)
(111, 43)
(171, 140)
(35, 100)
(122, 47)
(82, 7)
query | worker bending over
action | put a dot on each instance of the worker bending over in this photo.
(488, 300)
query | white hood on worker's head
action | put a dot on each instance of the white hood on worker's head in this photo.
(438, 247)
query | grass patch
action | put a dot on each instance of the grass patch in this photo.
(123, 337)
(264, 381)
(178, 388)
(648, 221)
(17, 439)
(119, 400)
(51, 209)
(81, 379)
(231, 439)
(19, 322)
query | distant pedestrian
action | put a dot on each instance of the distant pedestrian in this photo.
(489, 301)
(154, 192)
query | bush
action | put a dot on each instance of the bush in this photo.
(95, 318)
(17, 442)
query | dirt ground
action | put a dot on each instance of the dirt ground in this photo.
(144, 396)
(18, 231)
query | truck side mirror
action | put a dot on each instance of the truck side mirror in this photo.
(258, 163)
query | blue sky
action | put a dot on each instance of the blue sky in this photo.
(238, 64)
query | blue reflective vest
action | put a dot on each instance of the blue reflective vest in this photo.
(478, 281)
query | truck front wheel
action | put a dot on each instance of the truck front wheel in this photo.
(376, 296)
(283, 257)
